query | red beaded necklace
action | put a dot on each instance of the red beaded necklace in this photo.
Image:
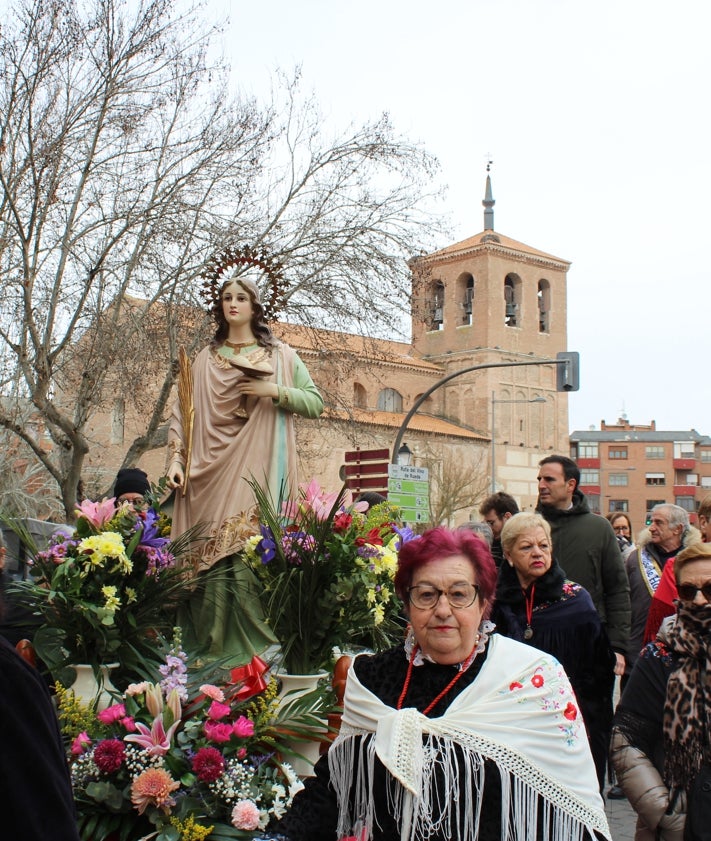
(408, 677)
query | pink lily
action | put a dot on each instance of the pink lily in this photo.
(155, 741)
(154, 699)
(173, 704)
(97, 513)
(317, 500)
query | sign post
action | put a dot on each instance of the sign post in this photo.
(409, 489)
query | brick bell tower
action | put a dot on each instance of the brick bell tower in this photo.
(492, 299)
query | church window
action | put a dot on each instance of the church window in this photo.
(544, 306)
(465, 297)
(512, 300)
(360, 398)
(437, 307)
(389, 400)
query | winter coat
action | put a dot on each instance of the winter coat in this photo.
(640, 593)
(636, 747)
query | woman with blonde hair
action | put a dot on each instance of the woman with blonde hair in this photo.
(537, 604)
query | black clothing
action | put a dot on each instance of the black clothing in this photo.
(36, 799)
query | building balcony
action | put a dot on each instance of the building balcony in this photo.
(684, 463)
(684, 490)
(590, 490)
(592, 463)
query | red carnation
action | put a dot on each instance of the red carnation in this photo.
(109, 755)
(208, 764)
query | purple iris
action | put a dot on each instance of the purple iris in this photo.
(151, 535)
(405, 534)
(266, 547)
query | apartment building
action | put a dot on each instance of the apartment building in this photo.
(631, 468)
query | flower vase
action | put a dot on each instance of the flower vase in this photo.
(292, 688)
(89, 690)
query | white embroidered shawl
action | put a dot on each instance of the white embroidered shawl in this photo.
(520, 712)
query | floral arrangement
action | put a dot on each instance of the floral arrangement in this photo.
(326, 565)
(104, 590)
(178, 760)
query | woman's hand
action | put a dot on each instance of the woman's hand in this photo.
(175, 475)
(254, 387)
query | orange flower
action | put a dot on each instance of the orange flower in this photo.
(153, 788)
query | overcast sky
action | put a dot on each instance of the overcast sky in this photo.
(597, 118)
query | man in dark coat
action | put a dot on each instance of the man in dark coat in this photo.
(585, 546)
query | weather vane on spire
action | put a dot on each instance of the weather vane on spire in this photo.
(489, 162)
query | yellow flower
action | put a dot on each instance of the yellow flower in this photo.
(387, 562)
(379, 614)
(99, 548)
(371, 596)
(131, 595)
(385, 594)
(250, 547)
(189, 830)
(112, 602)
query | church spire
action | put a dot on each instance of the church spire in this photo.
(488, 201)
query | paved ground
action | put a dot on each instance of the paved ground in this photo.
(621, 817)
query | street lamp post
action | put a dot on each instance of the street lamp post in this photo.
(494, 401)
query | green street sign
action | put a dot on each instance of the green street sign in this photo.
(409, 500)
(410, 515)
(408, 486)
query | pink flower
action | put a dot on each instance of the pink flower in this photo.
(156, 740)
(97, 513)
(109, 755)
(112, 714)
(217, 732)
(218, 710)
(128, 724)
(81, 743)
(208, 764)
(241, 753)
(245, 815)
(213, 692)
(243, 727)
(137, 688)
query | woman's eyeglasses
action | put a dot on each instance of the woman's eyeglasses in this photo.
(687, 592)
(425, 596)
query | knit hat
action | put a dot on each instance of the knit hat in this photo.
(131, 480)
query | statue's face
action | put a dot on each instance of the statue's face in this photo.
(236, 305)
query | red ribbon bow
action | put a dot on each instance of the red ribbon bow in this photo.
(251, 678)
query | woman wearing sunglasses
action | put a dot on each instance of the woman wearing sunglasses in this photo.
(660, 737)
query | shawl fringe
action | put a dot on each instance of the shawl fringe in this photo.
(534, 807)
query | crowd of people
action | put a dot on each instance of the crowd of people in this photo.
(493, 719)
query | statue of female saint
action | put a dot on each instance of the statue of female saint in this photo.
(233, 423)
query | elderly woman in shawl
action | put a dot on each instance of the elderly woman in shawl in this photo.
(454, 734)
(233, 423)
(537, 604)
(660, 735)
